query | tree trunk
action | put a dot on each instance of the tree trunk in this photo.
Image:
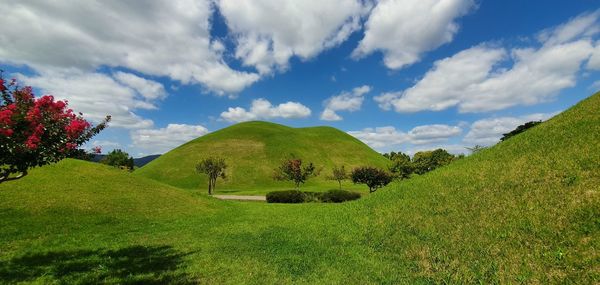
(340, 181)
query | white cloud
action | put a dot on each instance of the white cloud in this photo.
(269, 33)
(385, 137)
(405, 29)
(474, 81)
(346, 101)
(96, 95)
(429, 134)
(106, 144)
(330, 115)
(444, 85)
(164, 139)
(149, 89)
(262, 109)
(162, 38)
(594, 62)
(488, 132)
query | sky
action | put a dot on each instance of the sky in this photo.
(404, 75)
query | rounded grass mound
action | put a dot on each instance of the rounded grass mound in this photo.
(252, 150)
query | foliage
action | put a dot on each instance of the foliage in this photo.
(338, 174)
(401, 167)
(374, 178)
(288, 196)
(425, 161)
(83, 154)
(118, 158)
(338, 196)
(37, 131)
(520, 129)
(292, 170)
(213, 167)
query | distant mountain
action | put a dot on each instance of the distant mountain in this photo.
(139, 162)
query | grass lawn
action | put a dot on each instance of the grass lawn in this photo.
(524, 211)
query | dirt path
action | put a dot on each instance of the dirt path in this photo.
(241, 197)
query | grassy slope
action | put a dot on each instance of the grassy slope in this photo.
(254, 149)
(526, 210)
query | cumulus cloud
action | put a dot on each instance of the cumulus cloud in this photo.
(594, 62)
(161, 38)
(383, 137)
(262, 109)
(268, 33)
(488, 132)
(97, 95)
(106, 144)
(346, 101)
(405, 29)
(475, 80)
(164, 139)
(149, 89)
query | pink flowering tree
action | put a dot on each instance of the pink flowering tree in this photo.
(37, 131)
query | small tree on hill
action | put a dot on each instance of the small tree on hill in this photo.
(425, 161)
(214, 168)
(118, 158)
(520, 129)
(338, 174)
(37, 131)
(401, 165)
(477, 148)
(374, 178)
(292, 170)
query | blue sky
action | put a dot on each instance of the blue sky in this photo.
(404, 75)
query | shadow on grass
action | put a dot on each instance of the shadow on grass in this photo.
(130, 265)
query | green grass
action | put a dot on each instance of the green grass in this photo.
(253, 150)
(524, 211)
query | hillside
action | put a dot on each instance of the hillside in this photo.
(253, 150)
(524, 211)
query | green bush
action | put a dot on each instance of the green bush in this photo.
(313, 196)
(338, 196)
(288, 196)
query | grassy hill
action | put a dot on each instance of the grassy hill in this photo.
(524, 211)
(253, 150)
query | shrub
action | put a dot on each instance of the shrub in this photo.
(289, 196)
(338, 196)
(313, 196)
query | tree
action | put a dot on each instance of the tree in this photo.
(477, 148)
(338, 174)
(401, 166)
(520, 129)
(425, 161)
(37, 131)
(118, 158)
(214, 168)
(374, 178)
(292, 170)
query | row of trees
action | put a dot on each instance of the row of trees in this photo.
(402, 166)
(292, 169)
